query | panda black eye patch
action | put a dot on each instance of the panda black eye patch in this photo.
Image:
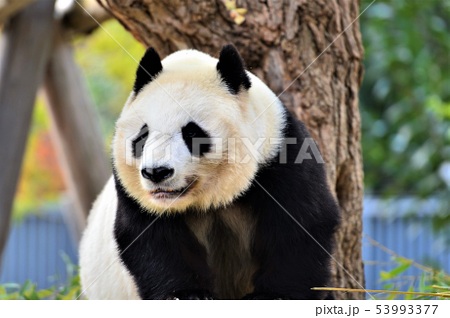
(196, 139)
(139, 142)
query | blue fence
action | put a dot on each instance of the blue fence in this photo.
(403, 227)
(36, 250)
(36, 245)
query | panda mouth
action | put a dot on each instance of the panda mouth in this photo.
(170, 193)
(161, 193)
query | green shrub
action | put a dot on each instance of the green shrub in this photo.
(432, 281)
(28, 291)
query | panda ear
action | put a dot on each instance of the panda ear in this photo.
(231, 69)
(149, 67)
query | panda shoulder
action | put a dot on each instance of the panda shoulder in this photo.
(106, 200)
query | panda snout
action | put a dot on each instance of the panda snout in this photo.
(158, 174)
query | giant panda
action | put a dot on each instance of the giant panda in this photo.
(208, 199)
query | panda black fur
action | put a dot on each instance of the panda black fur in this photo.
(166, 228)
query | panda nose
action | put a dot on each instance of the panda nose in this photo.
(158, 174)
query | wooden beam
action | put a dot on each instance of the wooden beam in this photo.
(79, 142)
(85, 17)
(27, 41)
(9, 7)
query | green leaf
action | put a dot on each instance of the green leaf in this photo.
(45, 293)
(410, 297)
(71, 295)
(26, 286)
(405, 264)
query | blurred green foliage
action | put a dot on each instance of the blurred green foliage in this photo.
(29, 291)
(41, 180)
(109, 58)
(405, 98)
(431, 280)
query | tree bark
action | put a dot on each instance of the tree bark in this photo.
(280, 41)
(24, 51)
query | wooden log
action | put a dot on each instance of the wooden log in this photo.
(78, 139)
(85, 17)
(9, 7)
(26, 46)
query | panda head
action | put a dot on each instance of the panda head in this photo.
(182, 139)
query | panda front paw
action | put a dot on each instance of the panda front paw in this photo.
(265, 296)
(191, 295)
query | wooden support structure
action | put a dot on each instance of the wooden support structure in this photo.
(10, 7)
(79, 142)
(26, 46)
(84, 20)
(33, 54)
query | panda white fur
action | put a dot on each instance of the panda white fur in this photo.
(205, 190)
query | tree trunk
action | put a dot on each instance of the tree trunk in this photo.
(280, 41)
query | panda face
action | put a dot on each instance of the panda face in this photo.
(172, 143)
